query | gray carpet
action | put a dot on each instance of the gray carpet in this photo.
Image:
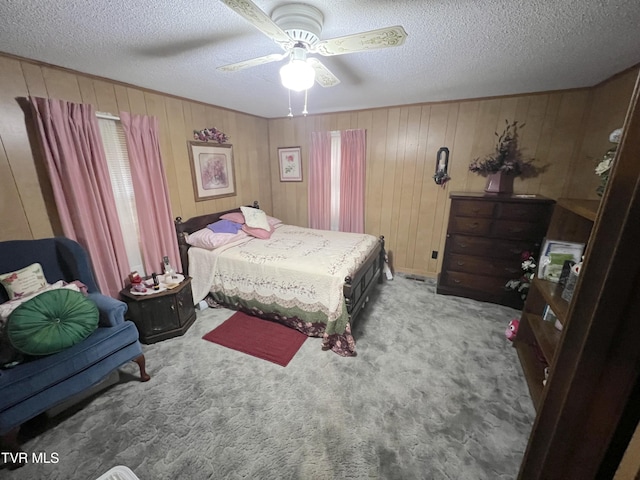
(436, 392)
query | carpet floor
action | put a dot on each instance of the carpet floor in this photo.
(436, 392)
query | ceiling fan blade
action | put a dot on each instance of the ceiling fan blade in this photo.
(324, 77)
(260, 20)
(274, 57)
(358, 42)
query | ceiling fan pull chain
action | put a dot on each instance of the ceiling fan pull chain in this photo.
(290, 114)
(304, 112)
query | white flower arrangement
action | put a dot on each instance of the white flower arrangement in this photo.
(604, 165)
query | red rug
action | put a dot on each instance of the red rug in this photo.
(259, 338)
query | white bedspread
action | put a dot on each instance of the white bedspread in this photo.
(296, 268)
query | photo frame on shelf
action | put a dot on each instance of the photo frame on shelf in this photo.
(212, 170)
(553, 256)
(290, 160)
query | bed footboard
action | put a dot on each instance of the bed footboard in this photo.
(358, 287)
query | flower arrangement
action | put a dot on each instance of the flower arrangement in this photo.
(604, 165)
(210, 134)
(506, 158)
(603, 169)
(522, 284)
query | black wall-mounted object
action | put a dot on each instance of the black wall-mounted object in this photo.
(442, 166)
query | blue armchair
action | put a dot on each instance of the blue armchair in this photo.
(36, 385)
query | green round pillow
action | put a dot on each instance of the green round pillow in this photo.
(51, 322)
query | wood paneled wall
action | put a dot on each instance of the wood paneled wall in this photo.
(565, 131)
(26, 202)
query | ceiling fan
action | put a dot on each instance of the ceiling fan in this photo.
(296, 28)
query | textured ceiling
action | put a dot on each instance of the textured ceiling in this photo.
(455, 48)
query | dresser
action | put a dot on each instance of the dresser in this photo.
(486, 236)
(161, 315)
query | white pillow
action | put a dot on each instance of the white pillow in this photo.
(23, 282)
(205, 238)
(256, 218)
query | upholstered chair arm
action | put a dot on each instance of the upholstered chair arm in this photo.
(111, 310)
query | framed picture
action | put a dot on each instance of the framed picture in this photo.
(290, 164)
(553, 256)
(212, 170)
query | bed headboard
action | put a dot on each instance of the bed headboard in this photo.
(183, 228)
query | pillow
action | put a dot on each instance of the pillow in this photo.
(225, 226)
(51, 322)
(258, 232)
(23, 282)
(273, 221)
(236, 217)
(205, 238)
(254, 217)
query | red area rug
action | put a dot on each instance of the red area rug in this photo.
(259, 338)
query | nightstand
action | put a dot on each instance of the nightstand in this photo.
(162, 315)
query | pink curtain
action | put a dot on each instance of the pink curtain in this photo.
(320, 181)
(75, 160)
(352, 180)
(155, 219)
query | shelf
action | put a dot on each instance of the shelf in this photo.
(538, 341)
(585, 208)
(533, 371)
(546, 334)
(552, 294)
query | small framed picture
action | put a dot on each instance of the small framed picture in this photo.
(553, 256)
(212, 170)
(290, 164)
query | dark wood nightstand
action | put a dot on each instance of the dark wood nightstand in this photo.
(161, 315)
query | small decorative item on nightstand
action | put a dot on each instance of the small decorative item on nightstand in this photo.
(169, 273)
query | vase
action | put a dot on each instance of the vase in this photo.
(499, 183)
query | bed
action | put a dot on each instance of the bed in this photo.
(315, 281)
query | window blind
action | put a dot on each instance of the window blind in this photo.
(115, 147)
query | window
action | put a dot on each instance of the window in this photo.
(115, 147)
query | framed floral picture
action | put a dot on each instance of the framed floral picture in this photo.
(290, 164)
(212, 170)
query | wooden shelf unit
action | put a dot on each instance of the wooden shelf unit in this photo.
(538, 340)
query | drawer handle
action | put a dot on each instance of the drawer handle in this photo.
(459, 263)
(455, 280)
(474, 225)
(462, 245)
(515, 230)
(511, 270)
(515, 250)
(173, 307)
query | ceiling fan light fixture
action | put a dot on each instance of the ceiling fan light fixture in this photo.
(297, 75)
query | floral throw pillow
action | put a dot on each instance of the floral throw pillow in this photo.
(23, 282)
(255, 218)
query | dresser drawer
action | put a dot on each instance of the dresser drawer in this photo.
(495, 267)
(481, 283)
(532, 213)
(476, 226)
(471, 208)
(517, 230)
(488, 247)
